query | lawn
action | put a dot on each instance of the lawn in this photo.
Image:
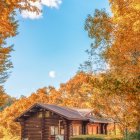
(96, 137)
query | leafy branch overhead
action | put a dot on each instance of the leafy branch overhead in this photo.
(8, 29)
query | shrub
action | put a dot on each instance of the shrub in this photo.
(95, 137)
(135, 136)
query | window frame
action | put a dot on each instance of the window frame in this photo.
(54, 130)
(93, 128)
(76, 129)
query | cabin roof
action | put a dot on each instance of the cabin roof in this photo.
(68, 113)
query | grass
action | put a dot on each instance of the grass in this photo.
(96, 137)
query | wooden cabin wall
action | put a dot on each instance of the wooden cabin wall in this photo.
(37, 127)
(32, 128)
(53, 120)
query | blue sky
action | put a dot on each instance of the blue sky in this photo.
(55, 42)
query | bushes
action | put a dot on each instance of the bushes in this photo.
(95, 137)
(134, 136)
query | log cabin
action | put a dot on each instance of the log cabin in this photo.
(53, 122)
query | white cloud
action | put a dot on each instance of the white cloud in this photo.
(52, 74)
(39, 4)
(51, 3)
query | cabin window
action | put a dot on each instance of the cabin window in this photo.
(92, 129)
(40, 115)
(54, 130)
(62, 131)
(76, 129)
(47, 114)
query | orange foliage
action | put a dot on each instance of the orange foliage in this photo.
(118, 93)
(7, 124)
(8, 28)
(124, 53)
(77, 91)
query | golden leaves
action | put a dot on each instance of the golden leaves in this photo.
(48, 95)
(119, 89)
(77, 92)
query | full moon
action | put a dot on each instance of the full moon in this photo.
(52, 74)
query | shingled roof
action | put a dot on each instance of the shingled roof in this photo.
(68, 113)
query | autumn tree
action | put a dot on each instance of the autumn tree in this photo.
(115, 97)
(99, 28)
(124, 53)
(116, 42)
(77, 91)
(9, 128)
(8, 28)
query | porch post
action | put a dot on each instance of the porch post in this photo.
(106, 129)
(84, 126)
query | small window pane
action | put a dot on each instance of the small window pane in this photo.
(90, 131)
(62, 131)
(40, 115)
(52, 130)
(56, 130)
(47, 114)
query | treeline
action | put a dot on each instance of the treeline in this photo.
(83, 91)
(74, 93)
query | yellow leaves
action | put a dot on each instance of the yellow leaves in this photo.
(136, 26)
(124, 53)
(47, 95)
(8, 2)
(77, 92)
(8, 27)
(136, 5)
(5, 50)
